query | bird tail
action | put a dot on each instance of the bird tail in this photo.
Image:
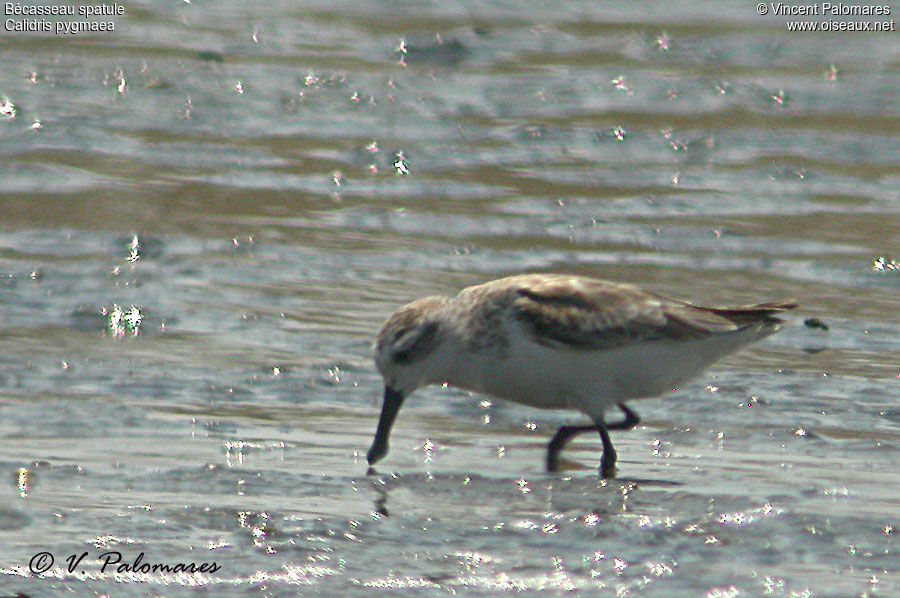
(759, 313)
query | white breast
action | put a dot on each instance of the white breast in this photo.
(590, 381)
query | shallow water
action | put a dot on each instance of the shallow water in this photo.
(265, 185)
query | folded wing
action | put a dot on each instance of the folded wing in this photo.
(587, 314)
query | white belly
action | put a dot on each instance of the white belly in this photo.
(591, 381)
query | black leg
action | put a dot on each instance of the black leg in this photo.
(562, 437)
(567, 433)
(608, 460)
(631, 419)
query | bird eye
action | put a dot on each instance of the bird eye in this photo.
(413, 343)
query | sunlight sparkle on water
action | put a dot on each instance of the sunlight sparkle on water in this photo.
(400, 164)
(659, 569)
(133, 250)
(427, 448)
(882, 264)
(522, 484)
(620, 84)
(737, 519)
(7, 108)
(23, 475)
(729, 592)
(403, 51)
(121, 321)
(662, 42)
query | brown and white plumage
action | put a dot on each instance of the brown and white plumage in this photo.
(558, 342)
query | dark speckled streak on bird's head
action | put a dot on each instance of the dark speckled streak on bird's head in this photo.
(407, 351)
(408, 354)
